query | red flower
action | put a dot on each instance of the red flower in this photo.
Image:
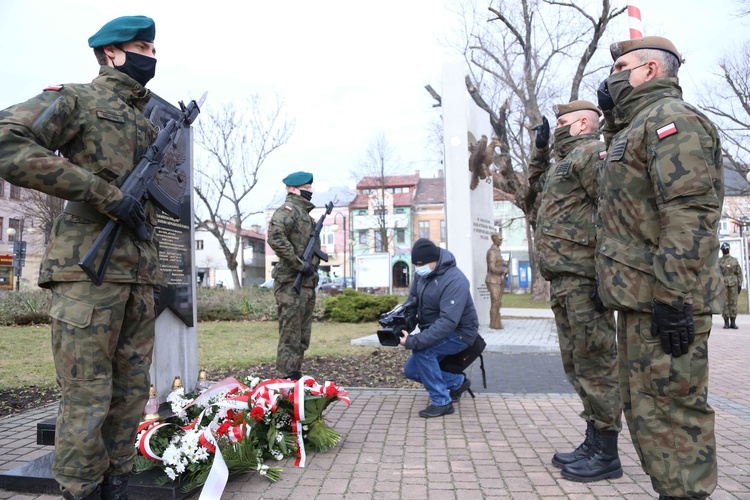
(309, 382)
(257, 413)
(224, 428)
(230, 414)
(331, 391)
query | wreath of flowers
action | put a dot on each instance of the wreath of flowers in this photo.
(234, 427)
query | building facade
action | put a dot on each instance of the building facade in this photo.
(211, 264)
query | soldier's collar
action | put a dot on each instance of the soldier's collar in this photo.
(124, 86)
(569, 144)
(645, 95)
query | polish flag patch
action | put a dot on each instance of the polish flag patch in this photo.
(56, 88)
(602, 155)
(666, 131)
(287, 208)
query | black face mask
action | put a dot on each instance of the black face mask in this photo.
(138, 67)
(305, 194)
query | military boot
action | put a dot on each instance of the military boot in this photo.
(602, 463)
(94, 495)
(732, 324)
(726, 322)
(560, 460)
(115, 487)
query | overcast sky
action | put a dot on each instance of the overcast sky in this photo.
(348, 70)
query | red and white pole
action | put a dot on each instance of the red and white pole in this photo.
(634, 19)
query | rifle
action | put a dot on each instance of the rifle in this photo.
(140, 184)
(311, 250)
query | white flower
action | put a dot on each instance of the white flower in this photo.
(171, 455)
(169, 472)
(279, 437)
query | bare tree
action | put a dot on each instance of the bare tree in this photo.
(376, 170)
(42, 209)
(743, 7)
(238, 140)
(515, 59)
(728, 103)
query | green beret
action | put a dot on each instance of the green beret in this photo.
(124, 29)
(618, 49)
(298, 179)
(564, 109)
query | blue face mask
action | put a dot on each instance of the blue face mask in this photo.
(423, 270)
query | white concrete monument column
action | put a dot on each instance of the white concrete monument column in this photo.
(176, 344)
(469, 218)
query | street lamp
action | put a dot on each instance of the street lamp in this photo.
(19, 253)
(334, 228)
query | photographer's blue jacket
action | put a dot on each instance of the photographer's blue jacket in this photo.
(444, 305)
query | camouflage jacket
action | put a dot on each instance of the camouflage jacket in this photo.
(730, 270)
(100, 133)
(565, 235)
(662, 190)
(288, 233)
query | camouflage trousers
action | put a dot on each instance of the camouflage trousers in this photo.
(665, 400)
(730, 306)
(295, 326)
(588, 349)
(102, 343)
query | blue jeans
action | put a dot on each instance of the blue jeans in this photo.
(424, 367)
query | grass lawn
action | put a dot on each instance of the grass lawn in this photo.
(26, 355)
(523, 300)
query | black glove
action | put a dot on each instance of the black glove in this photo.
(674, 327)
(598, 304)
(130, 212)
(739, 289)
(307, 270)
(542, 133)
(605, 99)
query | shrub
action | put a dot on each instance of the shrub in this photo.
(24, 307)
(356, 307)
(247, 304)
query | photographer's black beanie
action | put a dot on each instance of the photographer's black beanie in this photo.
(424, 251)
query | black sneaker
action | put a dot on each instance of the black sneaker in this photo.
(437, 411)
(456, 395)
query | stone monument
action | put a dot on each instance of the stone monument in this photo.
(468, 195)
(176, 343)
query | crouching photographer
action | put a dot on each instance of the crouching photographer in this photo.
(447, 322)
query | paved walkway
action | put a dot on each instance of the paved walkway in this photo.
(498, 445)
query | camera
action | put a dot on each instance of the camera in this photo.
(402, 317)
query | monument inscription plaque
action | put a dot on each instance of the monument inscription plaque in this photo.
(173, 235)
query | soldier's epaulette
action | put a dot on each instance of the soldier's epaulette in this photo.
(56, 88)
(288, 208)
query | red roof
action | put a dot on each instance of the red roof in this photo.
(244, 232)
(390, 181)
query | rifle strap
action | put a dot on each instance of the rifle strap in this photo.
(85, 211)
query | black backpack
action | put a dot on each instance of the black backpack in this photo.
(459, 362)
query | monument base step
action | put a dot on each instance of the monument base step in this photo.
(36, 476)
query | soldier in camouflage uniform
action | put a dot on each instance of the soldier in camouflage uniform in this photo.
(288, 233)
(565, 241)
(102, 337)
(656, 259)
(732, 273)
